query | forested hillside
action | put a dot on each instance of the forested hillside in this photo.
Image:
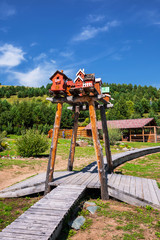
(134, 102)
(28, 111)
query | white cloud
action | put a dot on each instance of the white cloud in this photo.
(116, 57)
(10, 56)
(67, 54)
(39, 75)
(95, 18)
(6, 11)
(157, 23)
(42, 56)
(33, 44)
(35, 77)
(125, 48)
(52, 50)
(90, 32)
(4, 29)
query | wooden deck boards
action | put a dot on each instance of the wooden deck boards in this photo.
(44, 219)
(145, 190)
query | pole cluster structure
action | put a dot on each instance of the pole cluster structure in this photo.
(83, 94)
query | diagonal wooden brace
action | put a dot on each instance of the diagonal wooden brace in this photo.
(99, 153)
(73, 140)
(106, 140)
(53, 149)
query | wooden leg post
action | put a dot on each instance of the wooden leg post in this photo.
(143, 134)
(73, 140)
(106, 140)
(53, 149)
(99, 154)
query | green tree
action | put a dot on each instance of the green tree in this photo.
(32, 143)
(8, 94)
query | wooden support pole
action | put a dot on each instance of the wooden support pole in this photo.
(73, 140)
(155, 134)
(99, 153)
(53, 149)
(106, 140)
(143, 134)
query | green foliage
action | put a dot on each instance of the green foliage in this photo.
(87, 224)
(32, 143)
(71, 233)
(148, 207)
(157, 234)
(114, 135)
(3, 144)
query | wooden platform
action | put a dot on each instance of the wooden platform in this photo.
(133, 190)
(45, 218)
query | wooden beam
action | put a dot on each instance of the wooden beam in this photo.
(130, 137)
(85, 107)
(73, 100)
(73, 140)
(155, 134)
(106, 140)
(143, 134)
(99, 153)
(53, 149)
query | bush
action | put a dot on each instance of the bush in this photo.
(32, 143)
(114, 135)
(3, 145)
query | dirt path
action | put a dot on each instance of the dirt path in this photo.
(10, 176)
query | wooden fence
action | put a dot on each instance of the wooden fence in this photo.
(67, 133)
(149, 134)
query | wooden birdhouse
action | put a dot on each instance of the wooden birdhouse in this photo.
(89, 80)
(106, 90)
(70, 84)
(98, 83)
(79, 79)
(59, 80)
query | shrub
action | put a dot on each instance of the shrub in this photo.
(114, 135)
(3, 145)
(32, 143)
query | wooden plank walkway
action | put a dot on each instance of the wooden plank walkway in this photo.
(45, 218)
(133, 190)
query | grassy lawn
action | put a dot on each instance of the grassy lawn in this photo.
(141, 144)
(116, 220)
(10, 209)
(147, 167)
(87, 153)
(14, 98)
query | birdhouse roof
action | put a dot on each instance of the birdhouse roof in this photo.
(61, 73)
(79, 78)
(90, 76)
(80, 70)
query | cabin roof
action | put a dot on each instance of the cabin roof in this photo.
(61, 73)
(126, 124)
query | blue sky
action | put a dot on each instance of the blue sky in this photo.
(119, 41)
